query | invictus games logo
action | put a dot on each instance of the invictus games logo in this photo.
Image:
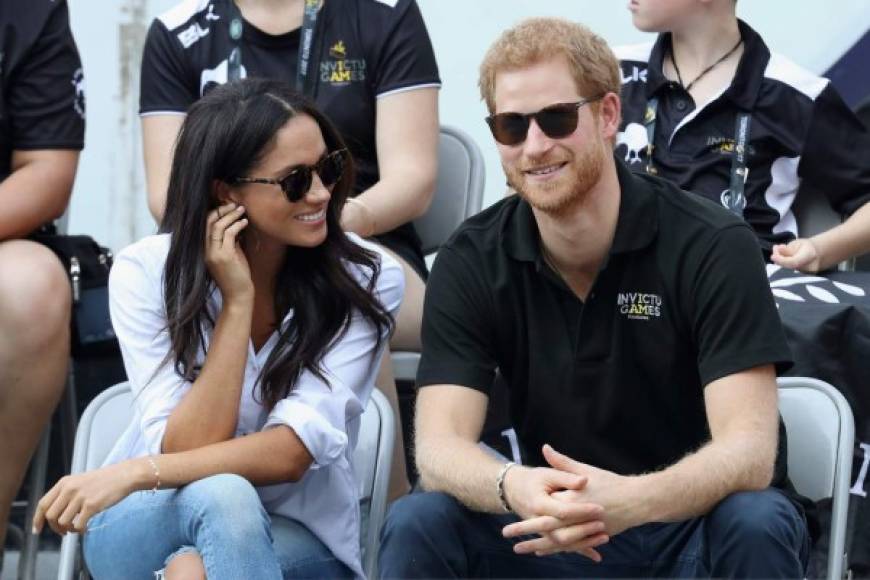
(338, 50)
(639, 306)
(339, 70)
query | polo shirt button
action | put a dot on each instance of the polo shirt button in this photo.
(681, 105)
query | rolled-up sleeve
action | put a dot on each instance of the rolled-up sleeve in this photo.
(139, 321)
(319, 413)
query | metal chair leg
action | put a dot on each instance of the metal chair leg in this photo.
(36, 489)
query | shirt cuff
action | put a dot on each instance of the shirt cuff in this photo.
(324, 442)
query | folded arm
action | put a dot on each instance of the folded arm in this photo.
(37, 191)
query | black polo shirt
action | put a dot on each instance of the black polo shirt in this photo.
(362, 50)
(617, 381)
(42, 101)
(802, 134)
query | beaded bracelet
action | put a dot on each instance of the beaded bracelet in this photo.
(156, 474)
(499, 486)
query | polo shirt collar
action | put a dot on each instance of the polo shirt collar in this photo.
(636, 224)
(747, 81)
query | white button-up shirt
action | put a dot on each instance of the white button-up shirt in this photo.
(325, 417)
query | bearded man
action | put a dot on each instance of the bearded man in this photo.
(635, 329)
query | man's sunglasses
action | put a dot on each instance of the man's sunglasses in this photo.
(556, 121)
(296, 184)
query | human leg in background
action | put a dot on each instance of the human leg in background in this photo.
(35, 306)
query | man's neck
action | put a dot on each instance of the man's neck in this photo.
(273, 16)
(576, 241)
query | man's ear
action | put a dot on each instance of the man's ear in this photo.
(610, 115)
(223, 193)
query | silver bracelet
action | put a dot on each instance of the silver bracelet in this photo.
(499, 486)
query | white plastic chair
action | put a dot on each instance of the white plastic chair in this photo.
(821, 434)
(109, 413)
(458, 196)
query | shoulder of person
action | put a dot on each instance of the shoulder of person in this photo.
(684, 215)
(149, 253)
(189, 13)
(481, 235)
(633, 53)
(783, 71)
(378, 16)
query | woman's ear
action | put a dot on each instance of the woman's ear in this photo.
(223, 193)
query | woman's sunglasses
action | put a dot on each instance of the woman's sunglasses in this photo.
(556, 121)
(296, 184)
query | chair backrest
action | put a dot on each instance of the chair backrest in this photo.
(813, 212)
(458, 188)
(110, 412)
(821, 433)
(372, 460)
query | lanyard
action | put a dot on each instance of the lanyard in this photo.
(732, 198)
(309, 21)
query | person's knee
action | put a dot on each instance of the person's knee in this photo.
(186, 566)
(756, 518)
(35, 296)
(420, 514)
(228, 498)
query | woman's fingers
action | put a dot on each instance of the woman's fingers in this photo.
(219, 220)
(65, 520)
(233, 230)
(44, 504)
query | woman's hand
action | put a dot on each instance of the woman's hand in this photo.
(75, 499)
(224, 257)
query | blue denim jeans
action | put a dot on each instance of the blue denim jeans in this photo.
(748, 535)
(222, 518)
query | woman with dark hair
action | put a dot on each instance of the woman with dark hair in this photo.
(251, 329)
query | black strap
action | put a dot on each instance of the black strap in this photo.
(306, 44)
(234, 62)
(733, 198)
(309, 23)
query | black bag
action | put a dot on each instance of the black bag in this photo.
(87, 264)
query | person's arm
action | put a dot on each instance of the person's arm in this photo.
(37, 191)
(159, 132)
(742, 414)
(827, 249)
(449, 420)
(264, 458)
(834, 161)
(44, 119)
(407, 146)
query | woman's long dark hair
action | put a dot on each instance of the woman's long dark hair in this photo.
(225, 134)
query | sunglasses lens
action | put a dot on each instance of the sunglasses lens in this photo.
(297, 184)
(557, 121)
(331, 168)
(509, 128)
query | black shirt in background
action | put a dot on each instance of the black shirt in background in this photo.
(368, 49)
(42, 101)
(802, 134)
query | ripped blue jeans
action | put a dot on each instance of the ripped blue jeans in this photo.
(221, 518)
